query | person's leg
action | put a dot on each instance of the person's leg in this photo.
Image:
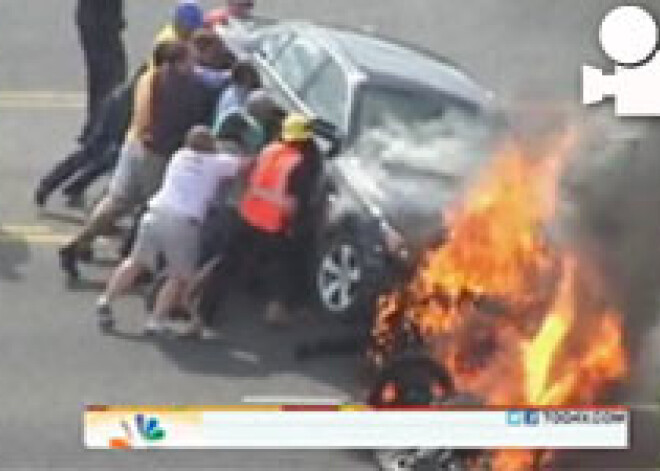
(231, 252)
(62, 171)
(104, 142)
(100, 222)
(204, 294)
(111, 64)
(122, 280)
(122, 193)
(105, 213)
(180, 237)
(93, 170)
(142, 259)
(278, 285)
(87, 44)
(117, 60)
(167, 299)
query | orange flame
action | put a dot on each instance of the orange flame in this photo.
(516, 319)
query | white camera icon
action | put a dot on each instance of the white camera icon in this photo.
(629, 36)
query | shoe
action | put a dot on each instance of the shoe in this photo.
(68, 261)
(208, 334)
(153, 326)
(85, 254)
(41, 196)
(75, 201)
(104, 313)
(192, 329)
(276, 315)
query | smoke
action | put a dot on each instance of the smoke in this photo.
(421, 166)
(610, 208)
(611, 211)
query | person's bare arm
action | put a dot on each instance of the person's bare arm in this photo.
(142, 106)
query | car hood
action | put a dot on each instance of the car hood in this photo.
(411, 186)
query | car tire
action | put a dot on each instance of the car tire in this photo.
(340, 277)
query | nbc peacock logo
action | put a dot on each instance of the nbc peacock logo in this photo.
(149, 428)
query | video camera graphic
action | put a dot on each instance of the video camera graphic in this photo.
(629, 36)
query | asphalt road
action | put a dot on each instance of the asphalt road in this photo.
(52, 359)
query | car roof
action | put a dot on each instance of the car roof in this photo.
(385, 61)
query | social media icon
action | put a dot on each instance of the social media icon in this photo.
(514, 417)
(532, 417)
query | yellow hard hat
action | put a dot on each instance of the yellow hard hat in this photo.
(296, 127)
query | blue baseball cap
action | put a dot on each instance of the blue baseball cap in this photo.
(188, 15)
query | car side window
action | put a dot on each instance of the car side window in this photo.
(271, 45)
(298, 61)
(327, 93)
(383, 108)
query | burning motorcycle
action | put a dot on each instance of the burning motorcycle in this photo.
(500, 299)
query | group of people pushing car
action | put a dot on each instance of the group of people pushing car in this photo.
(213, 170)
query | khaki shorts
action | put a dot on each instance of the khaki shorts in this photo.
(139, 174)
(175, 237)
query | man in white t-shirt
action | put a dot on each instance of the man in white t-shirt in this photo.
(172, 225)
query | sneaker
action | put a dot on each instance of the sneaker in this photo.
(153, 326)
(86, 254)
(75, 201)
(104, 313)
(41, 196)
(208, 334)
(191, 329)
(68, 261)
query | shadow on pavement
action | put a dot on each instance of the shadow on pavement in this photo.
(14, 252)
(249, 348)
(85, 285)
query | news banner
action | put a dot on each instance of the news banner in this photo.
(353, 427)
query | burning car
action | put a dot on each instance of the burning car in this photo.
(402, 128)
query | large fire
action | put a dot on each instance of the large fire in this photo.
(516, 318)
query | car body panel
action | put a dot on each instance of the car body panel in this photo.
(389, 181)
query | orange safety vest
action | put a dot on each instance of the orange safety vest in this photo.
(265, 203)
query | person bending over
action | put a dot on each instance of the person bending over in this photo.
(272, 210)
(171, 226)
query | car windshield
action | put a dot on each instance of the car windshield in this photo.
(428, 135)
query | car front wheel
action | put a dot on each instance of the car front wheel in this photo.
(339, 276)
(340, 273)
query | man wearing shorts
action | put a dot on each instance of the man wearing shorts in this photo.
(171, 226)
(169, 100)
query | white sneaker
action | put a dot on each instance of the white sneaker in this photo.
(153, 326)
(191, 329)
(197, 331)
(208, 334)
